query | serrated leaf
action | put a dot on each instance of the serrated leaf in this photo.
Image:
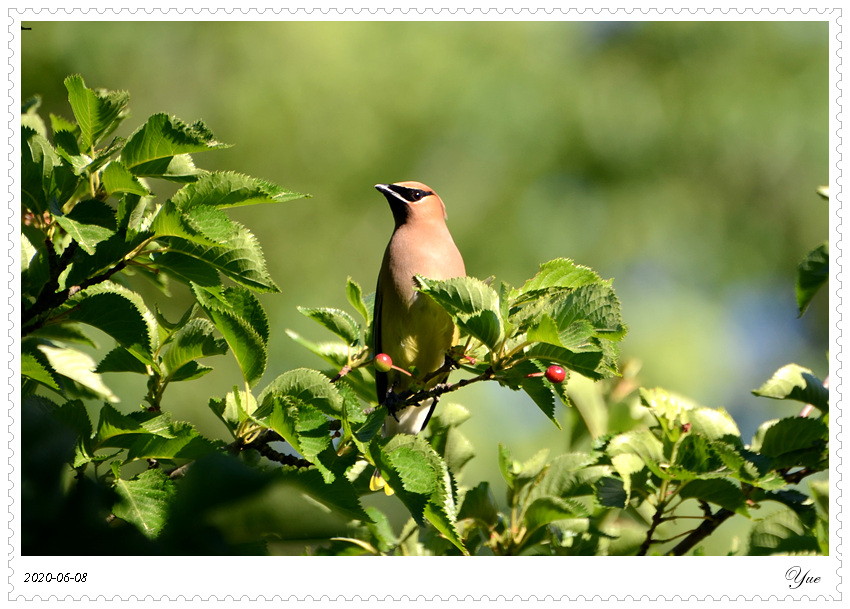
(354, 293)
(229, 189)
(152, 149)
(45, 180)
(120, 313)
(472, 304)
(305, 428)
(78, 367)
(610, 492)
(89, 223)
(241, 259)
(113, 426)
(793, 382)
(540, 391)
(812, 274)
(302, 386)
(107, 255)
(145, 501)
(588, 363)
(558, 273)
(121, 360)
(98, 113)
(479, 504)
(32, 368)
(719, 491)
(781, 533)
(118, 179)
(241, 324)
(544, 510)
(233, 409)
(340, 495)
(192, 341)
(189, 270)
(793, 434)
(627, 464)
(337, 321)
(186, 443)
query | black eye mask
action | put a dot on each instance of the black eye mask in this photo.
(411, 195)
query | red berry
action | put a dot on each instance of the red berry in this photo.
(556, 374)
(383, 362)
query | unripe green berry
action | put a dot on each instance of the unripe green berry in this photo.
(383, 362)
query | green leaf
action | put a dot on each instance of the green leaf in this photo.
(589, 363)
(812, 274)
(643, 444)
(107, 255)
(89, 223)
(244, 326)
(98, 113)
(793, 434)
(610, 492)
(118, 179)
(45, 180)
(339, 496)
(186, 443)
(714, 424)
(302, 386)
(30, 117)
(233, 409)
(304, 427)
(32, 368)
(153, 148)
(781, 533)
(120, 313)
(241, 259)
(113, 426)
(192, 341)
(570, 475)
(627, 464)
(540, 391)
(189, 270)
(145, 500)
(355, 297)
(558, 273)
(793, 382)
(449, 442)
(121, 360)
(472, 304)
(718, 491)
(337, 321)
(78, 367)
(479, 504)
(229, 189)
(544, 510)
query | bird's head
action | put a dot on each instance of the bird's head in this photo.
(413, 201)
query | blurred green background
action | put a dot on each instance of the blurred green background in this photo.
(681, 159)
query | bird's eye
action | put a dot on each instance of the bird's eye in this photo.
(416, 195)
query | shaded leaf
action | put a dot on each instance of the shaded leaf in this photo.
(145, 500)
(98, 113)
(151, 149)
(78, 367)
(118, 179)
(337, 321)
(229, 189)
(793, 382)
(812, 274)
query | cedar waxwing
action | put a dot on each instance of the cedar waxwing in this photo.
(408, 326)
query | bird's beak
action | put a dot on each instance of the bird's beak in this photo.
(384, 189)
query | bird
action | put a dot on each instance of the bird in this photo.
(409, 326)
